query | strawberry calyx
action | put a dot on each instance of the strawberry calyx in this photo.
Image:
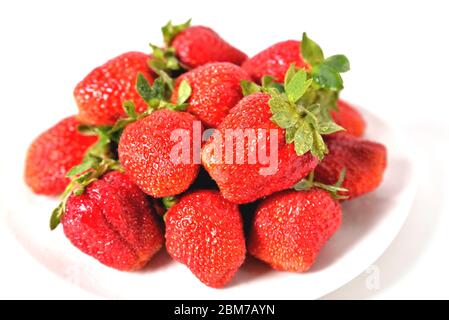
(336, 190)
(99, 159)
(302, 104)
(163, 60)
(170, 30)
(169, 201)
(325, 72)
(158, 95)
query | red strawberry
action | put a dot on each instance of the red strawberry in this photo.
(244, 182)
(365, 163)
(275, 61)
(198, 45)
(100, 95)
(205, 232)
(215, 90)
(113, 222)
(145, 151)
(291, 227)
(53, 154)
(349, 118)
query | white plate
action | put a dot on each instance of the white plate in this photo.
(370, 225)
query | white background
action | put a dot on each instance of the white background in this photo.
(399, 56)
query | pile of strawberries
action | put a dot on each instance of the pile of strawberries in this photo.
(124, 195)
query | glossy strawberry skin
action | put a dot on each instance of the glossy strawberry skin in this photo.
(53, 154)
(205, 232)
(290, 228)
(198, 45)
(349, 118)
(275, 61)
(365, 163)
(215, 90)
(244, 183)
(145, 149)
(100, 95)
(113, 222)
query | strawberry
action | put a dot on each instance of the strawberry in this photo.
(215, 90)
(275, 61)
(290, 228)
(146, 152)
(113, 222)
(349, 118)
(198, 45)
(365, 163)
(273, 137)
(53, 154)
(244, 182)
(205, 232)
(187, 47)
(101, 93)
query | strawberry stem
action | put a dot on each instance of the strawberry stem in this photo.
(334, 190)
(169, 201)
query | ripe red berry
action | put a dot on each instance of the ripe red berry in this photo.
(146, 151)
(198, 45)
(365, 163)
(53, 154)
(113, 222)
(275, 61)
(349, 118)
(100, 95)
(215, 90)
(290, 228)
(244, 182)
(205, 232)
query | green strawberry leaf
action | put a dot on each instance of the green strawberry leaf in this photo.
(284, 112)
(144, 88)
(289, 74)
(158, 52)
(163, 61)
(302, 185)
(290, 134)
(329, 127)
(153, 95)
(87, 130)
(303, 138)
(268, 82)
(278, 102)
(285, 119)
(319, 148)
(78, 169)
(311, 51)
(338, 62)
(56, 216)
(341, 178)
(175, 107)
(249, 87)
(306, 183)
(170, 31)
(184, 92)
(327, 77)
(130, 108)
(297, 85)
